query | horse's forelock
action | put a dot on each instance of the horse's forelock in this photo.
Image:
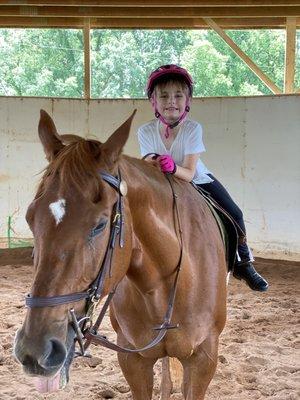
(76, 164)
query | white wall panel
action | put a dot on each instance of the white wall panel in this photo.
(252, 147)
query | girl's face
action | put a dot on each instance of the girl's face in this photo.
(171, 99)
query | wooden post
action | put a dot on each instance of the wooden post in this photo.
(290, 50)
(87, 59)
(247, 60)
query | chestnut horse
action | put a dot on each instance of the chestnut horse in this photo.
(167, 269)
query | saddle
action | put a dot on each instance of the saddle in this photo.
(230, 232)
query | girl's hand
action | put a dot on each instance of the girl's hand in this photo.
(151, 158)
(167, 164)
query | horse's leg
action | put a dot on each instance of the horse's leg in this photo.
(138, 372)
(166, 382)
(199, 369)
(171, 377)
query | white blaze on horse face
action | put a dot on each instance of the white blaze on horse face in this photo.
(58, 210)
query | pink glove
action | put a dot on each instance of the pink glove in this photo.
(167, 164)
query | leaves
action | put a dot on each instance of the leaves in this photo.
(41, 62)
(49, 62)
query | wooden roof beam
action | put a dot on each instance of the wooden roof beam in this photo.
(29, 22)
(154, 3)
(143, 23)
(150, 12)
(258, 72)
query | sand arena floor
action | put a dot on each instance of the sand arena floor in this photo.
(259, 356)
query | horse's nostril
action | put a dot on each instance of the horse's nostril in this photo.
(31, 364)
(55, 355)
(28, 361)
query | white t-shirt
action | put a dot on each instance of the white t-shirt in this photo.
(188, 141)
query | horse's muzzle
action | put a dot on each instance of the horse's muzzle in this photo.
(43, 358)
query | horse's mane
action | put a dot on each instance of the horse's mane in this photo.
(75, 164)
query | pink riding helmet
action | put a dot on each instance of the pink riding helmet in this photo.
(172, 70)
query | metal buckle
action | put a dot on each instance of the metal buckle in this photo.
(123, 189)
(117, 217)
(165, 326)
(79, 335)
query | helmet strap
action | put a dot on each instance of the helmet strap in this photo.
(174, 124)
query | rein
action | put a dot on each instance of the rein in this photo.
(86, 336)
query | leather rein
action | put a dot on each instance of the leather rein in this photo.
(85, 335)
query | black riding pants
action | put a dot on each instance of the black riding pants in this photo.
(222, 197)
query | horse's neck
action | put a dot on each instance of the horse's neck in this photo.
(148, 188)
(156, 246)
(142, 175)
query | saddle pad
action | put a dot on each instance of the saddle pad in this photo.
(227, 227)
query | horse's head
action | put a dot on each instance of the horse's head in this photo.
(70, 218)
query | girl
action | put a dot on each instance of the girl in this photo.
(178, 141)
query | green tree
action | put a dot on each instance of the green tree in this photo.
(41, 62)
(207, 66)
(122, 60)
(265, 47)
(49, 62)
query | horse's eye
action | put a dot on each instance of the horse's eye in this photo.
(99, 228)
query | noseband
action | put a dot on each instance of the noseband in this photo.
(87, 335)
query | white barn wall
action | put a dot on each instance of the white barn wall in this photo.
(253, 148)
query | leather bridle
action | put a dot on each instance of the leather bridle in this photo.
(87, 335)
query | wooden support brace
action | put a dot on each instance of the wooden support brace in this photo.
(87, 59)
(290, 52)
(247, 60)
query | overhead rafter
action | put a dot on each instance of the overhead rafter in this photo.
(165, 14)
(149, 12)
(155, 3)
(143, 23)
(188, 14)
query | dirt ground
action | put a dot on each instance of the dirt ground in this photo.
(259, 356)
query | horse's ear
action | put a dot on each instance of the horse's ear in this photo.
(48, 135)
(115, 143)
